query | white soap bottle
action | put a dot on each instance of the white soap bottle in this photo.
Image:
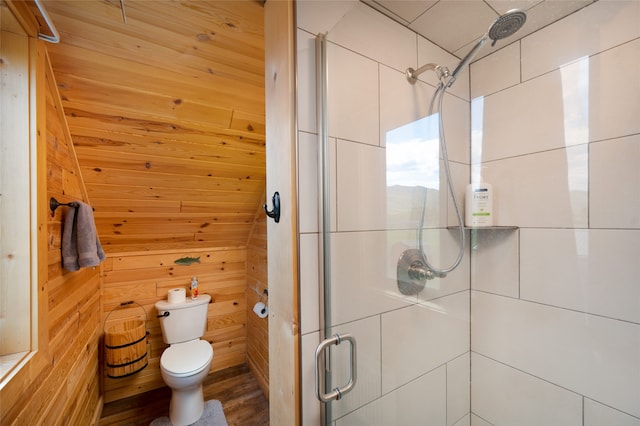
(479, 205)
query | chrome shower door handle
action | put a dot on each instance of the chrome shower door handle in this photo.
(339, 391)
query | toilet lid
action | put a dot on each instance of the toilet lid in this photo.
(183, 358)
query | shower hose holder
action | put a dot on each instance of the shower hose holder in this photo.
(441, 71)
(412, 272)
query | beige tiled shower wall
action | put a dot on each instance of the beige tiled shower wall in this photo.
(556, 305)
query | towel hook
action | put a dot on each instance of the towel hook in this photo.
(54, 204)
(275, 213)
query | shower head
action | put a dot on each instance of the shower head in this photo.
(502, 27)
(506, 25)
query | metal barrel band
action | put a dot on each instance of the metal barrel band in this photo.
(128, 344)
(128, 363)
(128, 374)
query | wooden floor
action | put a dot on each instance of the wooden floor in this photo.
(236, 388)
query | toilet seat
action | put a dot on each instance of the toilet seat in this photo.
(186, 359)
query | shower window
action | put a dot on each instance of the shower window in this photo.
(413, 172)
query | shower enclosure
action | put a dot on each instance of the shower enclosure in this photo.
(380, 169)
(500, 339)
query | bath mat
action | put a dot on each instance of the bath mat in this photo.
(211, 416)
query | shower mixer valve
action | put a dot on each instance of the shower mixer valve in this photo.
(419, 272)
(413, 273)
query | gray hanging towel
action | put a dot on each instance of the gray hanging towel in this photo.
(80, 244)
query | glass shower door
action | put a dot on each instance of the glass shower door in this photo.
(389, 356)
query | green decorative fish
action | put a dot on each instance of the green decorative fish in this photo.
(186, 261)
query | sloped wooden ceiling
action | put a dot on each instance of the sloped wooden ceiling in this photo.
(165, 106)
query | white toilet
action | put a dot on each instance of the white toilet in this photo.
(185, 363)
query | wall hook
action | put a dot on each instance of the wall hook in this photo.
(275, 213)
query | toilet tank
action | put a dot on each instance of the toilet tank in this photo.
(185, 320)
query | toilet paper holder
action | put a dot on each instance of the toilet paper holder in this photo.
(260, 308)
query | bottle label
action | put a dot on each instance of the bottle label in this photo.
(194, 289)
(478, 206)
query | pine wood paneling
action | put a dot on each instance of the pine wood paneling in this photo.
(98, 160)
(141, 192)
(257, 284)
(166, 110)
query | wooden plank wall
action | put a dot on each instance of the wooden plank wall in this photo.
(257, 284)
(166, 111)
(74, 297)
(145, 278)
(64, 387)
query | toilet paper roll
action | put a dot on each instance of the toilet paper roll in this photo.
(176, 295)
(261, 310)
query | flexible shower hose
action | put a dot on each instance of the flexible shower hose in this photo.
(442, 272)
